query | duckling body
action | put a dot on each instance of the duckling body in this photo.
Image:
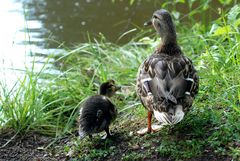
(167, 81)
(97, 112)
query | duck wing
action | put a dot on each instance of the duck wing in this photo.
(171, 80)
(96, 114)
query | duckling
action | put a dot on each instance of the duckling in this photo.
(167, 81)
(97, 112)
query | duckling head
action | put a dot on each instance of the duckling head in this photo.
(109, 88)
(163, 24)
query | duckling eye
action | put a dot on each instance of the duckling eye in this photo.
(154, 16)
(111, 87)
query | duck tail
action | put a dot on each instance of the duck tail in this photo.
(82, 134)
(162, 117)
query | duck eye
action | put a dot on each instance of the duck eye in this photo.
(110, 86)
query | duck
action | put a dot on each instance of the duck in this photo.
(167, 81)
(98, 112)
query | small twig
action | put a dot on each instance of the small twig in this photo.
(9, 141)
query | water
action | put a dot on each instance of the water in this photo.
(42, 27)
(20, 38)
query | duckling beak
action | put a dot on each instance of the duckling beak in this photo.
(118, 88)
(148, 23)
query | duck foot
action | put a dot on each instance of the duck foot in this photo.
(108, 135)
(144, 131)
(157, 128)
(154, 128)
(105, 137)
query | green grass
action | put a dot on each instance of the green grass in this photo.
(213, 124)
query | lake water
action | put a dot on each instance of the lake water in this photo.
(42, 27)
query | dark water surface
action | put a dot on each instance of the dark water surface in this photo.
(71, 21)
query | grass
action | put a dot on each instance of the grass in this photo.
(50, 106)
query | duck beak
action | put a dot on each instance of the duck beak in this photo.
(118, 88)
(148, 23)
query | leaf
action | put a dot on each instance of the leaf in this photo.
(233, 14)
(213, 28)
(125, 33)
(237, 23)
(222, 30)
(191, 3)
(225, 2)
(180, 1)
(176, 14)
(131, 2)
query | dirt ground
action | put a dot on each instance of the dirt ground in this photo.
(31, 147)
(26, 148)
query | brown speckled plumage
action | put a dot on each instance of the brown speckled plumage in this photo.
(167, 81)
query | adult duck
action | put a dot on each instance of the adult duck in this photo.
(167, 81)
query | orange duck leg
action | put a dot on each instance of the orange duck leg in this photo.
(150, 128)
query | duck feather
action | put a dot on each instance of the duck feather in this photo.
(170, 77)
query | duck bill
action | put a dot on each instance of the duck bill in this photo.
(118, 88)
(148, 23)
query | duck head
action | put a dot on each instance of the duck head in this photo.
(163, 24)
(109, 88)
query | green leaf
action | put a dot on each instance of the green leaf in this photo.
(225, 2)
(131, 2)
(176, 14)
(222, 30)
(237, 23)
(233, 14)
(191, 3)
(181, 1)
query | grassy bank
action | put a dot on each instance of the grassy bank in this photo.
(49, 104)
